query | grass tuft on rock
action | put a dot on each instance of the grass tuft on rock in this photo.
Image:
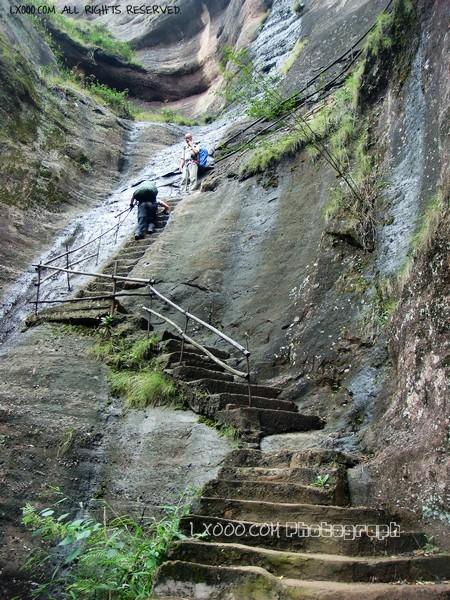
(143, 388)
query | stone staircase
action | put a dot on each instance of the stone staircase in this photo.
(261, 530)
(89, 308)
(126, 259)
(276, 526)
(211, 391)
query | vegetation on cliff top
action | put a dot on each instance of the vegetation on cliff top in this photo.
(83, 31)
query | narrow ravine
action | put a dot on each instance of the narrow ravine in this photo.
(350, 348)
(104, 216)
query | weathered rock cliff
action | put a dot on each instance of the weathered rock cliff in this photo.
(253, 255)
(355, 332)
(179, 51)
(61, 149)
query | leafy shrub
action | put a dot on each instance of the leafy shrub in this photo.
(116, 100)
(118, 352)
(99, 560)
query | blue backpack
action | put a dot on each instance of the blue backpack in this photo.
(203, 157)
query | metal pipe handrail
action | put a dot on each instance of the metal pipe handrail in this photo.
(197, 345)
(297, 95)
(102, 234)
(153, 292)
(101, 275)
(79, 247)
(71, 265)
(200, 322)
(91, 298)
(149, 282)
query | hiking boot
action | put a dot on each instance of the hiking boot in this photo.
(138, 237)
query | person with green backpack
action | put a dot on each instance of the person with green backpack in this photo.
(145, 196)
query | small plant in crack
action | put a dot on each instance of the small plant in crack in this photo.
(66, 442)
(321, 481)
(227, 431)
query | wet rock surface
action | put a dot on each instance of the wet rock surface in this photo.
(251, 257)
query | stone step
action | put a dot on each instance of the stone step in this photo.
(171, 343)
(123, 268)
(123, 261)
(131, 285)
(212, 386)
(257, 402)
(319, 567)
(288, 458)
(305, 475)
(94, 294)
(272, 492)
(310, 514)
(298, 537)
(188, 373)
(137, 252)
(99, 285)
(210, 405)
(87, 313)
(268, 421)
(135, 246)
(191, 580)
(189, 359)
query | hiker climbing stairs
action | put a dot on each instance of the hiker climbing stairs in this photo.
(253, 410)
(124, 261)
(279, 526)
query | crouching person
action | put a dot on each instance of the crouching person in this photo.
(146, 198)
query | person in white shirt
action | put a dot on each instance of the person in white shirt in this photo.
(189, 165)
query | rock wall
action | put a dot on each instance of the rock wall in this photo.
(59, 427)
(61, 150)
(410, 435)
(253, 257)
(179, 52)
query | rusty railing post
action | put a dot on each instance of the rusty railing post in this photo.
(113, 301)
(67, 266)
(247, 357)
(38, 287)
(98, 248)
(182, 338)
(149, 318)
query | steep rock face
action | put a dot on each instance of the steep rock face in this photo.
(251, 256)
(59, 427)
(329, 28)
(411, 438)
(61, 150)
(179, 51)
